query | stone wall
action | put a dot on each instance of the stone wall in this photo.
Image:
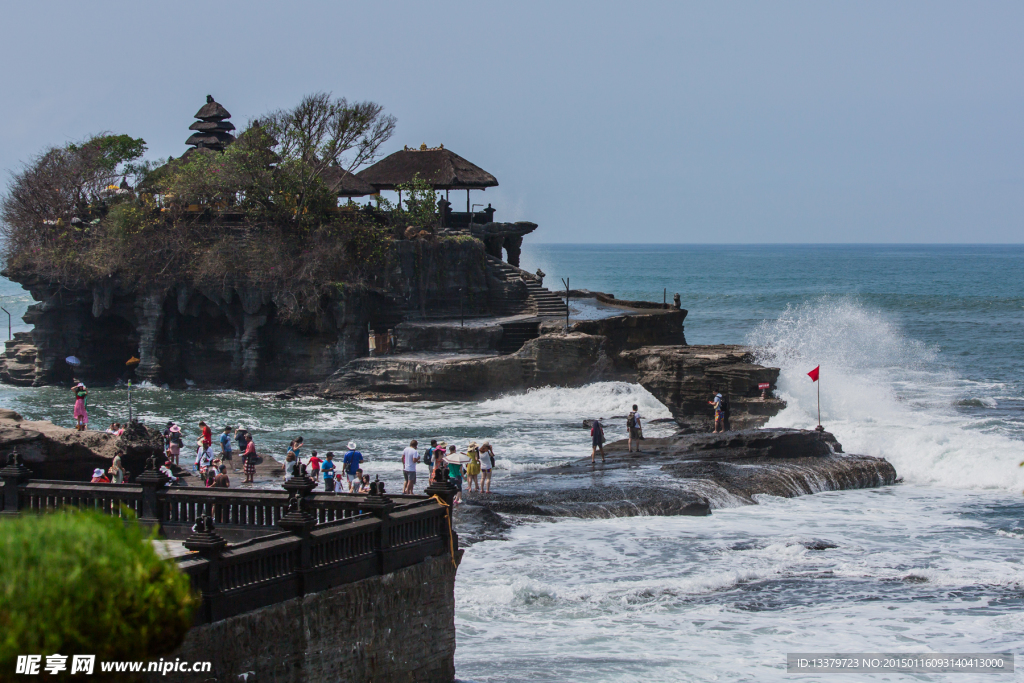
(398, 627)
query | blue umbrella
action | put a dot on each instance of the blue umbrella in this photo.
(71, 360)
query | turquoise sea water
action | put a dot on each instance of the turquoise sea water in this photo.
(922, 357)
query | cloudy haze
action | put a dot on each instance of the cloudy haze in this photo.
(603, 122)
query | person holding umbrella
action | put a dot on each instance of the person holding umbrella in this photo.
(81, 409)
(455, 462)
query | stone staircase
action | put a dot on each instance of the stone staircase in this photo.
(541, 302)
(515, 334)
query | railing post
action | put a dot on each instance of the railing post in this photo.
(13, 475)
(381, 507)
(445, 490)
(151, 480)
(299, 521)
(209, 544)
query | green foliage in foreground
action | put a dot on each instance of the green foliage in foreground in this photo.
(84, 583)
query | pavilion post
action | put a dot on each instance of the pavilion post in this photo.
(467, 201)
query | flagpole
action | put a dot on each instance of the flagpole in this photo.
(819, 395)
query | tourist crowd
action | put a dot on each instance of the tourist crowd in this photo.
(469, 470)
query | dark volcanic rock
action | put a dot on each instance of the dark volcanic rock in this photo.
(683, 475)
(53, 452)
(684, 379)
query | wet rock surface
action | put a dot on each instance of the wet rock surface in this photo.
(687, 474)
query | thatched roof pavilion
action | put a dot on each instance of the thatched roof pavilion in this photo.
(211, 128)
(345, 184)
(442, 168)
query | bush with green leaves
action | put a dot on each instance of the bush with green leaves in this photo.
(84, 583)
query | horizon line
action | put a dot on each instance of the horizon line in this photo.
(782, 244)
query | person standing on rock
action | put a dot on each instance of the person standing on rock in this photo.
(351, 462)
(717, 402)
(81, 411)
(240, 439)
(314, 466)
(410, 456)
(439, 453)
(328, 470)
(455, 476)
(487, 462)
(207, 436)
(596, 440)
(174, 443)
(225, 445)
(249, 459)
(635, 429)
(473, 467)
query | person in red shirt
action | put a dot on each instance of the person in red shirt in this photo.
(314, 466)
(207, 435)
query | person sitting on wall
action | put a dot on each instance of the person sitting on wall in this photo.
(98, 477)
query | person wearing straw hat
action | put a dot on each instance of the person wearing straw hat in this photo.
(351, 462)
(440, 451)
(473, 466)
(174, 443)
(81, 411)
(455, 462)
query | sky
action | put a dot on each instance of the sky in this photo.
(642, 122)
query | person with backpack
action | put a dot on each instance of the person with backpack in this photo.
(719, 403)
(635, 429)
(351, 462)
(596, 440)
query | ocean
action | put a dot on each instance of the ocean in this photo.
(921, 351)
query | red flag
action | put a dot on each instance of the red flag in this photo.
(813, 374)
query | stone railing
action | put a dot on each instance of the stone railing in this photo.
(298, 542)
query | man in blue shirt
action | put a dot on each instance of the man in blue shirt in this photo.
(328, 469)
(225, 444)
(351, 462)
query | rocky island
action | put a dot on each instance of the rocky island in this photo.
(245, 263)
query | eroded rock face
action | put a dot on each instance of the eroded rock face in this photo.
(235, 334)
(551, 360)
(684, 378)
(53, 452)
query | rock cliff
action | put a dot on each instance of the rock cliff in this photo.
(236, 334)
(684, 378)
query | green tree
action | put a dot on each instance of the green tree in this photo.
(84, 583)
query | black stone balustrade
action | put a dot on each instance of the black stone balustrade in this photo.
(327, 539)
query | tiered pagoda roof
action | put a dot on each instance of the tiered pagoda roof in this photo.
(212, 127)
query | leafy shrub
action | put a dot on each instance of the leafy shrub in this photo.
(84, 583)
